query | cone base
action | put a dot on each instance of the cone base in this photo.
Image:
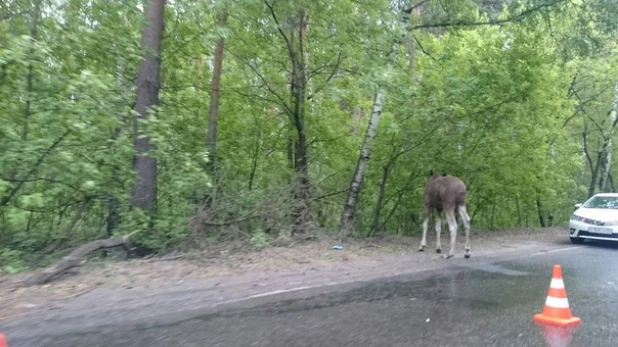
(562, 322)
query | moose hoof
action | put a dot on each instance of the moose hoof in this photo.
(467, 256)
(421, 249)
(447, 256)
(438, 250)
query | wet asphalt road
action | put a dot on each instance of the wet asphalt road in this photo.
(471, 303)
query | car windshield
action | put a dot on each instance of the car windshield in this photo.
(602, 202)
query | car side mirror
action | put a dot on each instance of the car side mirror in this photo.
(577, 206)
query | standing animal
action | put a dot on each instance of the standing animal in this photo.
(445, 193)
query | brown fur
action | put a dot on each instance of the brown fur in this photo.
(446, 193)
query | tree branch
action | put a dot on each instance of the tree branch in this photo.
(5, 200)
(274, 15)
(420, 46)
(596, 124)
(572, 86)
(259, 97)
(516, 18)
(582, 103)
(332, 74)
(74, 259)
(85, 204)
(399, 194)
(12, 15)
(336, 192)
(255, 70)
(38, 179)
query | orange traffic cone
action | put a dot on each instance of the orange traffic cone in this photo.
(556, 310)
(3, 341)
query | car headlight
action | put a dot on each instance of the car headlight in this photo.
(577, 218)
(588, 220)
(611, 223)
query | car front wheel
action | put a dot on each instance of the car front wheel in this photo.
(577, 240)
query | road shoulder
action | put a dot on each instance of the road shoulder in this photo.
(187, 283)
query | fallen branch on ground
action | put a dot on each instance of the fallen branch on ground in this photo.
(74, 259)
(170, 258)
(78, 294)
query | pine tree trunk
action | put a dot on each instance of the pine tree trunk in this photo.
(144, 191)
(214, 97)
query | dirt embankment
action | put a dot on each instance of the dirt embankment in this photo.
(228, 272)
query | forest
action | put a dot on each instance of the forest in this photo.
(195, 122)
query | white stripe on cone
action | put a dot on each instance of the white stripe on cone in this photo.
(557, 302)
(557, 283)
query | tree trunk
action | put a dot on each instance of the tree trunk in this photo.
(375, 224)
(400, 194)
(36, 13)
(609, 149)
(34, 19)
(540, 212)
(113, 217)
(300, 185)
(254, 159)
(603, 169)
(409, 40)
(518, 212)
(493, 213)
(113, 205)
(349, 209)
(606, 168)
(290, 151)
(144, 191)
(591, 167)
(214, 96)
(594, 176)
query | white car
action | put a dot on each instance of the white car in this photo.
(595, 219)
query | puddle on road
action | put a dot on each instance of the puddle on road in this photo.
(497, 269)
(477, 287)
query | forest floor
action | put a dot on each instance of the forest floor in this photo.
(227, 273)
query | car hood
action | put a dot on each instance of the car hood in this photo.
(600, 214)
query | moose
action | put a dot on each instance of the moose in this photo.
(445, 193)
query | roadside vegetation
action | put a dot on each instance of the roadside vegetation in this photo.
(192, 123)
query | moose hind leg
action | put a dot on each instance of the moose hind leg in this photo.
(438, 225)
(466, 222)
(452, 226)
(425, 226)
